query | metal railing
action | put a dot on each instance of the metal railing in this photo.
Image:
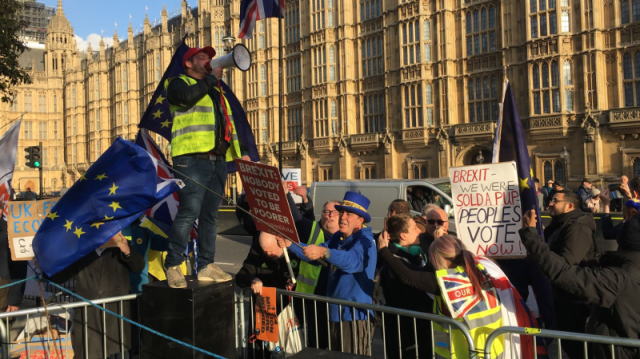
(583, 338)
(7, 318)
(313, 310)
(392, 339)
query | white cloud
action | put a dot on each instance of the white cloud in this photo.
(94, 40)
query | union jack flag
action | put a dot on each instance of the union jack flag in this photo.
(253, 10)
(460, 296)
(165, 210)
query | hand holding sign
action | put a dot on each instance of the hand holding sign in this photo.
(256, 286)
(314, 252)
(283, 243)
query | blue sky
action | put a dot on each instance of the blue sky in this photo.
(91, 19)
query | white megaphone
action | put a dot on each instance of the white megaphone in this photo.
(238, 57)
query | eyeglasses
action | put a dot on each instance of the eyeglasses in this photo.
(330, 212)
(555, 200)
(434, 221)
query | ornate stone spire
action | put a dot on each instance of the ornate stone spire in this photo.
(165, 26)
(59, 22)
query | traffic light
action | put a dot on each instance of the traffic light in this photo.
(34, 156)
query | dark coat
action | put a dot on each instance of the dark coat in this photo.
(396, 293)
(400, 295)
(10, 271)
(100, 276)
(571, 236)
(272, 272)
(611, 287)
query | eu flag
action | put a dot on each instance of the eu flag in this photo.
(510, 144)
(157, 117)
(113, 193)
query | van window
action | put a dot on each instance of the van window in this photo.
(420, 196)
(444, 187)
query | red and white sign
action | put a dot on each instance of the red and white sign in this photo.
(488, 213)
(267, 200)
(292, 177)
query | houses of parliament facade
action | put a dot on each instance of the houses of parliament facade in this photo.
(364, 89)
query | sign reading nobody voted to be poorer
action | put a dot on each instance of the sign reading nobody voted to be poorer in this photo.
(23, 220)
(488, 212)
(267, 200)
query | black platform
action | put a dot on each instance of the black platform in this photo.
(201, 315)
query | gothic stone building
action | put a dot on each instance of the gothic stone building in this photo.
(365, 89)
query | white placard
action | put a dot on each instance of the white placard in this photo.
(22, 249)
(488, 212)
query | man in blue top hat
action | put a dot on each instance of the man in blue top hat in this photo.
(352, 254)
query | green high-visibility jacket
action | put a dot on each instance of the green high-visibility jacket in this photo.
(308, 273)
(194, 128)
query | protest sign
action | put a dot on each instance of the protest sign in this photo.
(292, 177)
(23, 220)
(266, 315)
(487, 206)
(267, 199)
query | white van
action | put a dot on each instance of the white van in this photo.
(381, 192)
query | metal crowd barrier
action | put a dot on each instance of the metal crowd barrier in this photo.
(308, 307)
(583, 338)
(6, 321)
(313, 312)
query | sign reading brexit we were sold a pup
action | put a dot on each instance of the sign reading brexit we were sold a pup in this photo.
(487, 206)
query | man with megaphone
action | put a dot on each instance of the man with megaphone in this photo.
(203, 139)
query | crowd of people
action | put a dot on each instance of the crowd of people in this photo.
(595, 200)
(410, 264)
(591, 291)
(403, 266)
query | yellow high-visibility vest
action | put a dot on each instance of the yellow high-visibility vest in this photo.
(308, 273)
(194, 129)
(480, 325)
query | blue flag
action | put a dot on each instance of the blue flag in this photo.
(158, 118)
(510, 144)
(113, 193)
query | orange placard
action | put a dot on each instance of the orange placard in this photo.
(266, 315)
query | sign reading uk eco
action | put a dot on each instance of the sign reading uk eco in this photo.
(267, 200)
(487, 206)
(23, 220)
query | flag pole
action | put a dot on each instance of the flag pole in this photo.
(280, 93)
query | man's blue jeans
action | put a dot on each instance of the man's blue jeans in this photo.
(197, 202)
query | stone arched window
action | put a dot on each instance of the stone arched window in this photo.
(636, 167)
(560, 171)
(555, 170)
(548, 171)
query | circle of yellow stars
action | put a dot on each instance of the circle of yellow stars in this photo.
(77, 230)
